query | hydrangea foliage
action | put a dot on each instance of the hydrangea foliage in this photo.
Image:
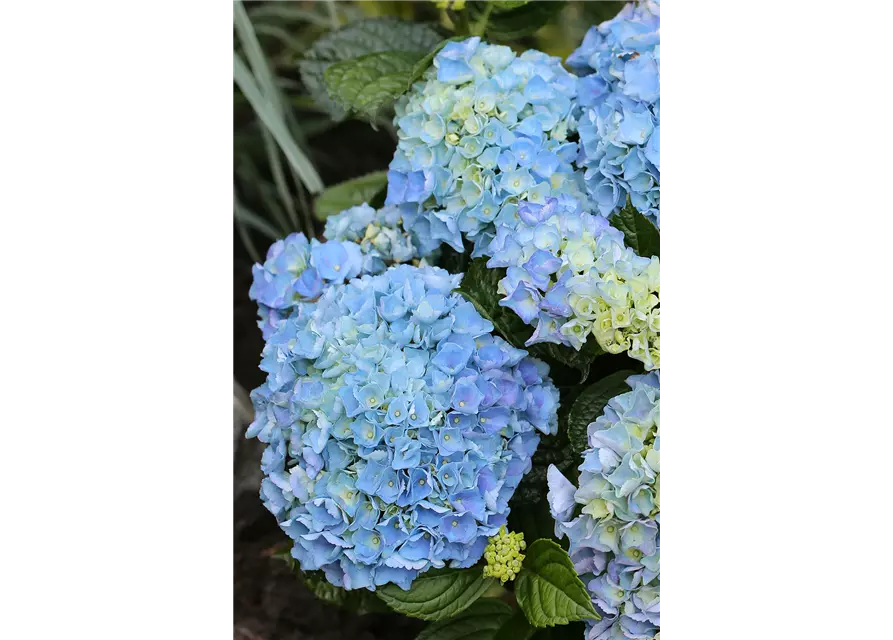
(483, 130)
(397, 427)
(615, 537)
(569, 274)
(619, 93)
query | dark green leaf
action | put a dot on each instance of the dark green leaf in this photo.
(437, 594)
(517, 628)
(480, 621)
(511, 24)
(370, 82)
(548, 589)
(505, 5)
(590, 404)
(639, 233)
(350, 193)
(356, 39)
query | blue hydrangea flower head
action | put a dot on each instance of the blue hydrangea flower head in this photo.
(612, 519)
(619, 94)
(482, 130)
(570, 276)
(397, 427)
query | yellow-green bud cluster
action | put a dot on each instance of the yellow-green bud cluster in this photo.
(504, 556)
(455, 5)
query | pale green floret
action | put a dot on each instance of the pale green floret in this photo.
(504, 556)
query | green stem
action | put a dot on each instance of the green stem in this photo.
(481, 25)
(463, 28)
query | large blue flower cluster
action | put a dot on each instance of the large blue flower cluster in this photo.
(615, 538)
(569, 274)
(620, 96)
(483, 130)
(397, 426)
(378, 233)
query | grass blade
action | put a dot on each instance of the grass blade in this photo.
(268, 115)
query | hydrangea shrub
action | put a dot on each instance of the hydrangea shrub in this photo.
(400, 412)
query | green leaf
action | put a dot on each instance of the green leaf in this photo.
(590, 404)
(480, 621)
(359, 38)
(505, 5)
(370, 82)
(639, 233)
(350, 193)
(516, 628)
(437, 594)
(479, 286)
(548, 589)
(514, 23)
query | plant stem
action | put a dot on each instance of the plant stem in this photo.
(481, 25)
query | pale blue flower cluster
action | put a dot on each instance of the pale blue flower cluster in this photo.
(620, 97)
(397, 426)
(378, 233)
(295, 271)
(615, 537)
(483, 130)
(569, 275)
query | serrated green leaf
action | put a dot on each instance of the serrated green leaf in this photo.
(639, 234)
(589, 405)
(370, 82)
(437, 594)
(515, 628)
(359, 38)
(548, 589)
(349, 193)
(480, 621)
(518, 22)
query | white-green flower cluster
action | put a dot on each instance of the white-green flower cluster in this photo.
(569, 274)
(503, 555)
